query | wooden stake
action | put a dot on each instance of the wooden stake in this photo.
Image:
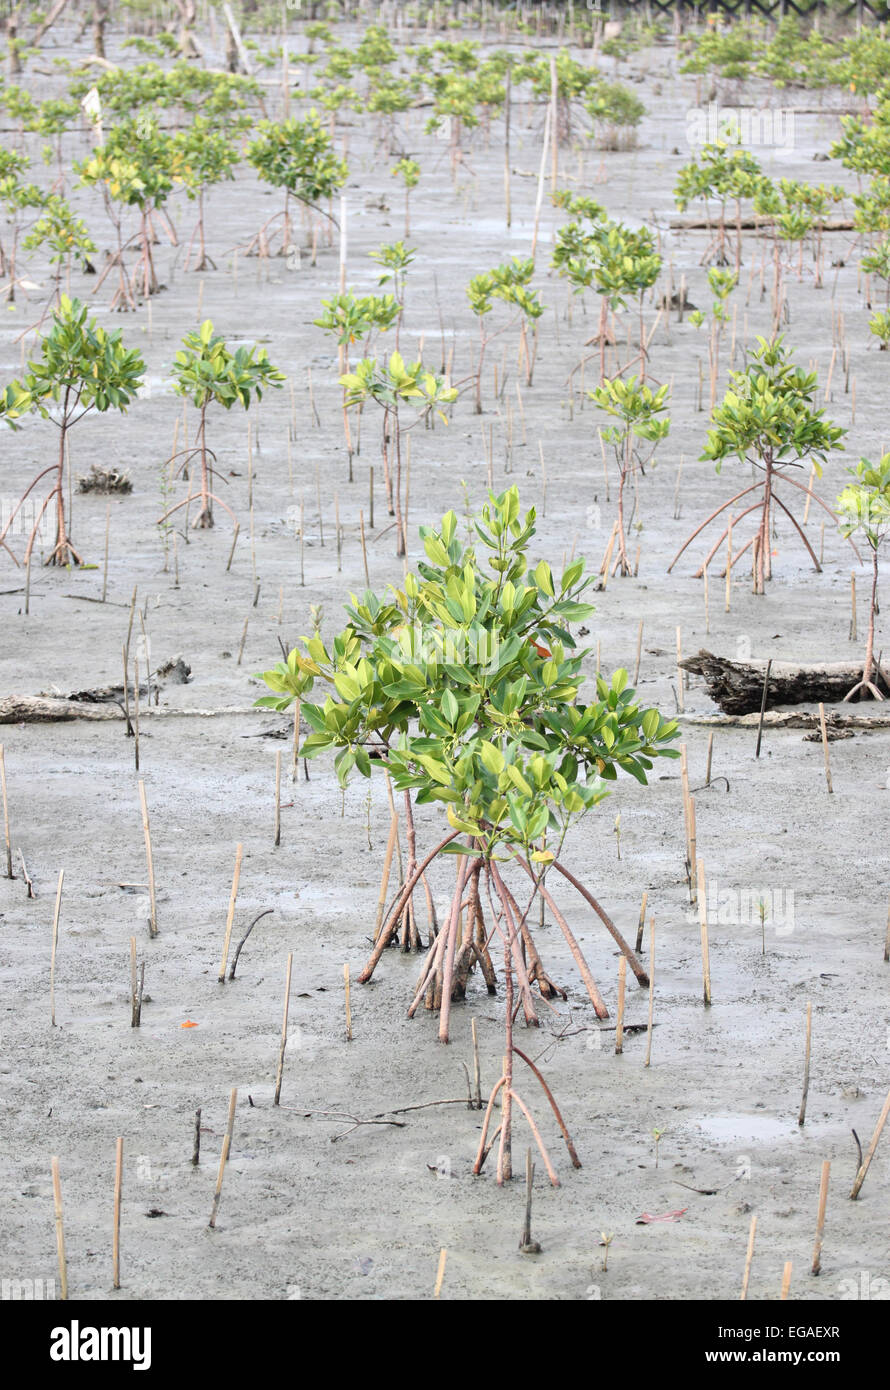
(680, 673)
(387, 866)
(703, 919)
(651, 991)
(60, 1233)
(786, 1281)
(806, 1065)
(280, 1072)
(763, 699)
(622, 988)
(709, 759)
(477, 1075)
(361, 522)
(8, 842)
(440, 1273)
(52, 964)
(639, 652)
(224, 1155)
(295, 764)
(541, 171)
(820, 1219)
(134, 985)
(642, 922)
(348, 1005)
(231, 915)
(277, 840)
(116, 1237)
(866, 1163)
(749, 1256)
(196, 1148)
(825, 748)
(149, 859)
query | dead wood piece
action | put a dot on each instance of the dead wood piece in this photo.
(34, 709)
(737, 686)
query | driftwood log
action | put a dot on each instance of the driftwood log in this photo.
(36, 709)
(737, 686)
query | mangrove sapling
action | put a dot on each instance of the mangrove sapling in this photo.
(134, 167)
(728, 175)
(18, 198)
(510, 284)
(483, 666)
(767, 419)
(202, 157)
(864, 508)
(81, 368)
(409, 171)
(637, 407)
(392, 385)
(394, 258)
(297, 156)
(65, 237)
(206, 373)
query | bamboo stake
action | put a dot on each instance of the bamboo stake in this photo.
(387, 867)
(786, 1281)
(280, 1072)
(477, 1075)
(541, 171)
(295, 764)
(231, 914)
(134, 984)
(680, 704)
(277, 799)
(348, 1005)
(703, 918)
(52, 964)
(639, 652)
(136, 710)
(825, 748)
(651, 991)
(224, 1154)
(749, 1256)
(806, 1065)
(619, 1021)
(6, 837)
(196, 1147)
(361, 522)
(116, 1238)
(642, 922)
(149, 859)
(709, 759)
(866, 1163)
(60, 1233)
(440, 1272)
(820, 1219)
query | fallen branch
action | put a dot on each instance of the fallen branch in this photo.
(737, 686)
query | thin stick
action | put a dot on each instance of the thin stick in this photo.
(60, 1233)
(231, 914)
(477, 1074)
(749, 1256)
(361, 522)
(348, 1005)
(9, 873)
(387, 866)
(622, 988)
(116, 1238)
(651, 991)
(866, 1163)
(280, 1073)
(134, 984)
(149, 859)
(806, 1065)
(820, 1219)
(680, 673)
(763, 699)
(277, 799)
(709, 759)
(224, 1155)
(642, 922)
(243, 640)
(703, 919)
(639, 652)
(786, 1281)
(728, 596)
(295, 765)
(105, 566)
(196, 1150)
(525, 1240)
(440, 1272)
(852, 607)
(825, 748)
(52, 964)
(541, 171)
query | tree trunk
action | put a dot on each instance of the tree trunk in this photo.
(737, 686)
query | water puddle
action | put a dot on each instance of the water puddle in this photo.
(748, 1129)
